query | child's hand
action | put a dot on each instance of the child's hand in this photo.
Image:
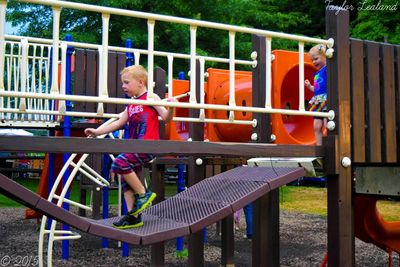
(308, 85)
(91, 132)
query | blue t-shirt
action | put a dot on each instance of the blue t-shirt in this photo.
(320, 82)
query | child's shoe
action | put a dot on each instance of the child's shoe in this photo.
(129, 221)
(142, 202)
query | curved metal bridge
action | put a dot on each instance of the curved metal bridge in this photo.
(197, 207)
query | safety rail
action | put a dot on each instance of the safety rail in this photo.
(57, 92)
(27, 72)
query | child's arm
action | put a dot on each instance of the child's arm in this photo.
(165, 114)
(308, 85)
(103, 129)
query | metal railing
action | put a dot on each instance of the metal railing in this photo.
(35, 95)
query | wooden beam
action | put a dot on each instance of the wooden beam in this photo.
(340, 222)
(83, 145)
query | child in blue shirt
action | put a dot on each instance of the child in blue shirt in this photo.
(318, 101)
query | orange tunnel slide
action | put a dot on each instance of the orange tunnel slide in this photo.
(371, 227)
(285, 94)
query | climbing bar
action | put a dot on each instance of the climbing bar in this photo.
(330, 115)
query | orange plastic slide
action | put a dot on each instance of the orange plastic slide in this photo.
(370, 226)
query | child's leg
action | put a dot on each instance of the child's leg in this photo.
(129, 199)
(236, 216)
(126, 164)
(236, 219)
(318, 130)
(133, 181)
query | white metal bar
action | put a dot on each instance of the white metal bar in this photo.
(220, 121)
(301, 76)
(192, 98)
(33, 102)
(40, 67)
(47, 79)
(17, 74)
(8, 103)
(150, 59)
(24, 75)
(81, 114)
(103, 59)
(61, 104)
(170, 74)
(55, 112)
(56, 36)
(94, 176)
(68, 237)
(79, 205)
(137, 57)
(61, 232)
(202, 114)
(28, 124)
(3, 7)
(136, 51)
(104, 63)
(268, 73)
(329, 114)
(232, 101)
(171, 19)
(100, 105)
(88, 175)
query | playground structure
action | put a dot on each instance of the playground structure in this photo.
(344, 149)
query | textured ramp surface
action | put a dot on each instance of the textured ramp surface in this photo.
(196, 213)
(154, 230)
(235, 193)
(199, 206)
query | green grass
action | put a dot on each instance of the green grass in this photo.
(313, 200)
(310, 200)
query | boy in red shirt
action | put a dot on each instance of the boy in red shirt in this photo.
(142, 124)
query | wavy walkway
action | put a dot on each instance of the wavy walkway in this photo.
(205, 203)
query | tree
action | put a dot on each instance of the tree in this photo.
(84, 26)
(307, 17)
(377, 21)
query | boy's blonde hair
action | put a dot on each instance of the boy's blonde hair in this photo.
(318, 49)
(137, 72)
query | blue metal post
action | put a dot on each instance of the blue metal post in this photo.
(181, 186)
(105, 172)
(130, 57)
(51, 178)
(248, 214)
(67, 132)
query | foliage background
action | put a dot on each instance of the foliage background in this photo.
(306, 17)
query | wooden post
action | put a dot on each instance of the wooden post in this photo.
(265, 251)
(338, 144)
(160, 89)
(158, 170)
(195, 175)
(157, 177)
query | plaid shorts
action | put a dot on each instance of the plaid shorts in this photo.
(129, 162)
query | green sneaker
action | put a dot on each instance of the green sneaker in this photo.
(129, 221)
(142, 202)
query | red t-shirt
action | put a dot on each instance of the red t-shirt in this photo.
(143, 121)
